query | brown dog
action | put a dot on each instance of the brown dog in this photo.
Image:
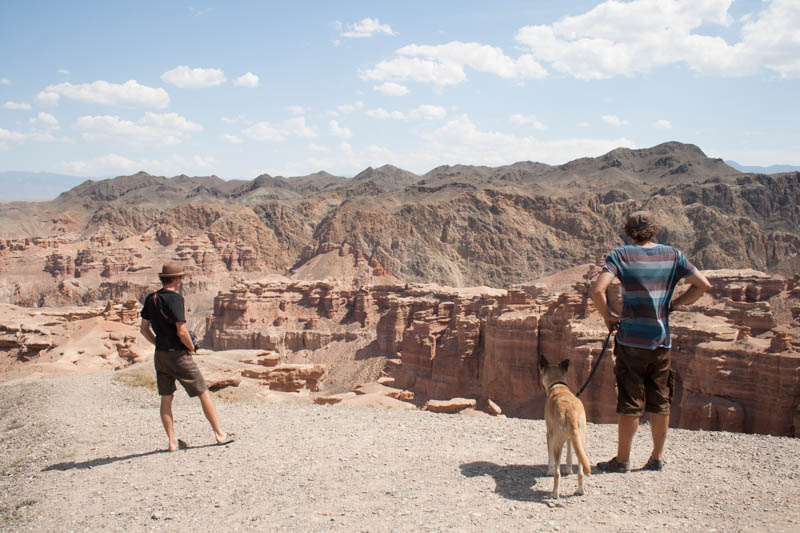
(566, 422)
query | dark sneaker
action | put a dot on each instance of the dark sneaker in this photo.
(614, 466)
(654, 464)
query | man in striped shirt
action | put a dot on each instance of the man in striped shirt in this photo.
(648, 273)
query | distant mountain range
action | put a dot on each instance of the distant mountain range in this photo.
(772, 169)
(20, 186)
(455, 225)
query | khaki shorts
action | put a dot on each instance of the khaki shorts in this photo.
(178, 364)
(644, 380)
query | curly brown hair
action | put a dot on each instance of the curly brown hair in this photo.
(642, 234)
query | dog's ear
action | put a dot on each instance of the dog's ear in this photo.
(543, 361)
(564, 364)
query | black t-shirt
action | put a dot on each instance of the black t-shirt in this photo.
(171, 304)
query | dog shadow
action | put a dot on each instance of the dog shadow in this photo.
(513, 482)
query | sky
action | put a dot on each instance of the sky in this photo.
(242, 88)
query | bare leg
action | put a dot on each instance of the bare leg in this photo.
(658, 427)
(626, 428)
(166, 419)
(211, 414)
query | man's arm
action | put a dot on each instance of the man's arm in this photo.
(147, 332)
(183, 335)
(601, 302)
(699, 285)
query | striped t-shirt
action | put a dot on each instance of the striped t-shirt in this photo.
(648, 277)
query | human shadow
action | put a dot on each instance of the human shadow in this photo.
(514, 482)
(91, 463)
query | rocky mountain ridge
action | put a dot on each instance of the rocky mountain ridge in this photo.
(456, 225)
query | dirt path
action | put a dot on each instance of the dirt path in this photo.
(82, 453)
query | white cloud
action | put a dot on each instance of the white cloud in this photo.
(349, 108)
(528, 120)
(583, 125)
(44, 121)
(297, 110)
(128, 94)
(10, 135)
(392, 89)
(5, 81)
(444, 64)
(614, 120)
(365, 27)
(422, 112)
(297, 126)
(460, 141)
(427, 112)
(318, 148)
(48, 98)
(339, 131)
(248, 80)
(63, 71)
(16, 105)
(42, 130)
(194, 78)
(152, 128)
(233, 139)
(265, 131)
(200, 12)
(115, 163)
(663, 124)
(627, 38)
(238, 119)
(381, 114)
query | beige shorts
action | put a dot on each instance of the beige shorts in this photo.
(178, 365)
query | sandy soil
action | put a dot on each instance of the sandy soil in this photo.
(84, 453)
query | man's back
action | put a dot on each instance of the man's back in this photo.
(649, 275)
(163, 313)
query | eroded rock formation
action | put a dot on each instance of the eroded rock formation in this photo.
(736, 351)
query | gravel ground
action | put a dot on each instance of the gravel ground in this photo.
(84, 453)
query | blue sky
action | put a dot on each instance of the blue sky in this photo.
(242, 88)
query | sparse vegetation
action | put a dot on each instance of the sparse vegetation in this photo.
(132, 379)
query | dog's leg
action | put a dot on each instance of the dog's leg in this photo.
(582, 436)
(569, 457)
(555, 450)
(550, 453)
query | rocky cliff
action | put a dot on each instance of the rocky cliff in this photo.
(736, 351)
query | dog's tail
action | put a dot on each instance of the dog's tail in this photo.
(577, 445)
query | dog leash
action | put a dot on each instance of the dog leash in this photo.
(597, 364)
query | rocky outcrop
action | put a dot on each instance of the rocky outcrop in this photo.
(58, 265)
(451, 406)
(289, 378)
(86, 260)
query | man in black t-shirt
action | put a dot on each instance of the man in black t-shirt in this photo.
(163, 313)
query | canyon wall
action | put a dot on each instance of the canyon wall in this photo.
(736, 351)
